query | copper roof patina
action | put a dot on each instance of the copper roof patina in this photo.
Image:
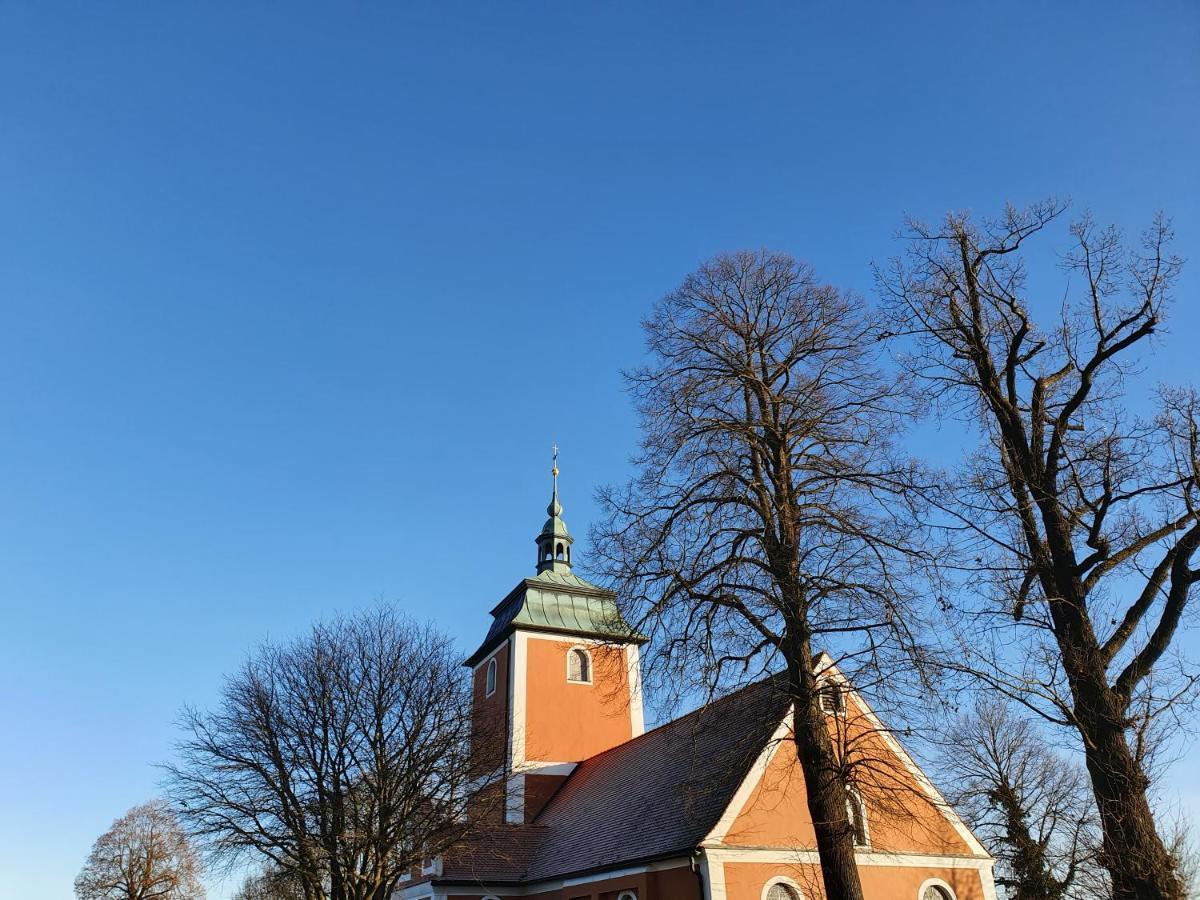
(560, 602)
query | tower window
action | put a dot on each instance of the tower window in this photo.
(579, 666)
(490, 679)
(560, 553)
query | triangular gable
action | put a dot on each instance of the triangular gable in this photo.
(742, 803)
(827, 669)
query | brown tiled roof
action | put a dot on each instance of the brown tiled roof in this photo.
(658, 794)
(493, 853)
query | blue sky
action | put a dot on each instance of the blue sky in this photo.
(294, 298)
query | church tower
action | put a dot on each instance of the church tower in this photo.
(557, 679)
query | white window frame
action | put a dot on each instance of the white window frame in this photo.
(785, 881)
(627, 895)
(854, 797)
(935, 882)
(830, 690)
(587, 655)
(490, 677)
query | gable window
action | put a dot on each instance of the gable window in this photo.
(856, 811)
(579, 666)
(833, 700)
(490, 679)
(778, 889)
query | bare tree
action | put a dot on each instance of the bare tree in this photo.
(269, 884)
(1030, 805)
(144, 856)
(765, 517)
(1081, 518)
(339, 759)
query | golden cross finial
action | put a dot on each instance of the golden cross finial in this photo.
(554, 466)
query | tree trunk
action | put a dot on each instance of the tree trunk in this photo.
(1139, 862)
(1133, 853)
(822, 782)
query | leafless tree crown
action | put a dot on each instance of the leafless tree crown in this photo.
(769, 510)
(146, 855)
(1031, 805)
(340, 759)
(1078, 517)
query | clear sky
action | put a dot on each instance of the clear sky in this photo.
(294, 298)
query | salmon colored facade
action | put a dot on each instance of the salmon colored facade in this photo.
(598, 710)
(558, 716)
(680, 882)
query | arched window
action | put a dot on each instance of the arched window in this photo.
(781, 889)
(560, 553)
(627, 895)
(579, 665)
(936, 889)
(856, 810)
(490, 679)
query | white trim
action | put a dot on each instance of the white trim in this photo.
(572, 639)
(627, 895)
(633, 661)
(518, 686)
(784, 856)
(712, 876)
(831, 671)
(746, 789)
(434, 868)
(424, 890)
(545, 768)
(518, 677)
(490, 674)
(935, 882)
(784, 880)
(483, 662)
(587, 656)
(514, 800)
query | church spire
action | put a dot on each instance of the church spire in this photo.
(554, 541)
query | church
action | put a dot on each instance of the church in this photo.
(710, 806)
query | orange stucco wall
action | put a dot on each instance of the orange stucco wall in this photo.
(745, 881)
(566, 721)
(679, 883)
(489, 732)
(900, 817)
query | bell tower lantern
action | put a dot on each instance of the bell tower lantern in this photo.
(554, 541)
(557, 678)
